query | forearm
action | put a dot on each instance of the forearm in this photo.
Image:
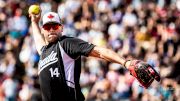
(108, 55)
(37, 36)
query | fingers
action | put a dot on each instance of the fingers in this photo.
(31, 15)
(34, 15)
(35, 18)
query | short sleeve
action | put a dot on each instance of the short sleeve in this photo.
(75, 47)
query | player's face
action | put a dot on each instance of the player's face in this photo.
(52, 31)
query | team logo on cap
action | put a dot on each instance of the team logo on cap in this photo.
(50, 16)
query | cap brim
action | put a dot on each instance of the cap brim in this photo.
(51, 22)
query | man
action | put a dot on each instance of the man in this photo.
(60, 59)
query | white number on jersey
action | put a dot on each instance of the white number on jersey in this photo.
(54, 72)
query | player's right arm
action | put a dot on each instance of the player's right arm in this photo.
(37, 35)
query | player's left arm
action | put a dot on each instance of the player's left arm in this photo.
(109, 55)
(142, 71)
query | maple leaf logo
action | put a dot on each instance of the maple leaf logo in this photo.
(50, 16)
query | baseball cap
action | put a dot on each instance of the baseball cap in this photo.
(51, 17)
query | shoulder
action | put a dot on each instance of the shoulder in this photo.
(69, 40)
(65, 38)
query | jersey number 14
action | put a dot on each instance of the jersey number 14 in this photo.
(54, 72)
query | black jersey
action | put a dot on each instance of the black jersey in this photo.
(59, 67)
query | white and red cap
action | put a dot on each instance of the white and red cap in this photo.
(51, 17)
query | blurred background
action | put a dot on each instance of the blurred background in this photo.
(148, 30)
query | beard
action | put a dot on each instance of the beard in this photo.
(53, 37)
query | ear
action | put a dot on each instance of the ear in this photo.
(62, 28)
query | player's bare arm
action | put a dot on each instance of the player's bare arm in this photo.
(37, 35)
(108, 55)
(142, 71)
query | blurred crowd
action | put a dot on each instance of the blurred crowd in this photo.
(148, 30)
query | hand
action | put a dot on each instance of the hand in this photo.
(143, 72)
(35, 18)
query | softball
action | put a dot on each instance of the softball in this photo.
(34, 9)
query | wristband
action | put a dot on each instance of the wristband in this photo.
(125, 63)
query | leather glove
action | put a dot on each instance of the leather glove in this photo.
(143, 72)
